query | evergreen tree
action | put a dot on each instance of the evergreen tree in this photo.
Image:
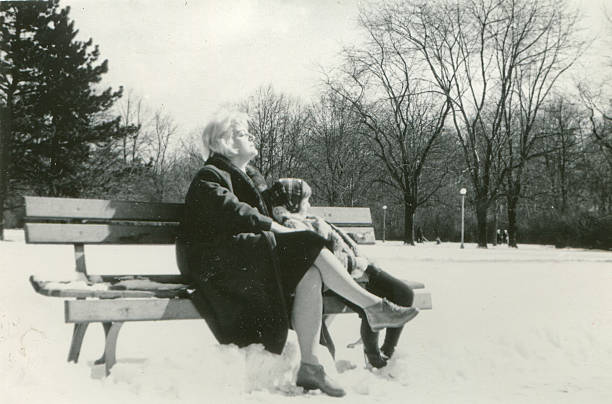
(54, 116)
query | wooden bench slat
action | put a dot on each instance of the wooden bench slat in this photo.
(414, 285)
(354, 225)
(132, 286)
(422, 301)
(161, 278)
(342, 216)
(106, 294)
(363, 235)
(159, 233)
(38, 207)
(70, 208)
(62, 233)
(79, 311)
(177, 278)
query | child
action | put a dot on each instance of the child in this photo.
(289, 198)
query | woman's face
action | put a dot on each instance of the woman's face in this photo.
(305, 206)
(244, 142)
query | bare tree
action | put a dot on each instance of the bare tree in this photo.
(162, 133)
(599, 106)
(602, 128)
(600, 136)
(402, 117)
(278, 123)
(135, 116)
(485, 56)
(540, 43)
(560, 144)
(340, 158)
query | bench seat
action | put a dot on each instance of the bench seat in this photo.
(145, 286)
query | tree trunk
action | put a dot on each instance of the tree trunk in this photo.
(5, 142)
(512, 204)
(482, 206)
(409, 223)
(495, 222)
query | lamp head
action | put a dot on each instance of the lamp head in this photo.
(384, 207)
(463, 191)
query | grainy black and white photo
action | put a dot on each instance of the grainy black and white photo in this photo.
(273, 201)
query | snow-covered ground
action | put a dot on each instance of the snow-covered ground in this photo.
(532, 325)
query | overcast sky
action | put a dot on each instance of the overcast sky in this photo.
(191, 56)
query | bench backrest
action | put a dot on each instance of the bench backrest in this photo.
(355, 221)
(97, 221)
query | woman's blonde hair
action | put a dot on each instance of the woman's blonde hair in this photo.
(217, 135)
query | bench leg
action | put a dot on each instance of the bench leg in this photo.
(111, 332)
(77, 340)
(326, 338)
(106, 327)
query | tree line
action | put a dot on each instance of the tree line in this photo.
(437, 97)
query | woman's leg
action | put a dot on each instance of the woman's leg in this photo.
(307, 315)
(337, 278)
(380, 312)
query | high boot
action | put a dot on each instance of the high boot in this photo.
(385, 314)
(387, 352)
(374, 360)
(313, 377)
(371, 351)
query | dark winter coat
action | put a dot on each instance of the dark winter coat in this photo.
(226, 249)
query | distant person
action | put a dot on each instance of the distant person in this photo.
(419, 235)
(438, 241)
(289, 198)
(499, 236)
(252, 276)
(505, 237)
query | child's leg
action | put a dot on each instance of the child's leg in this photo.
(370, 346)
(384, 285)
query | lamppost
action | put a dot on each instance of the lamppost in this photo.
(384, 221)
(462, 192)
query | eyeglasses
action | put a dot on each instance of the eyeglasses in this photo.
(246, 134)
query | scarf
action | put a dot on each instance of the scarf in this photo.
(289, 193)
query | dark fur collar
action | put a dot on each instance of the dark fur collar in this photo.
(247, 186)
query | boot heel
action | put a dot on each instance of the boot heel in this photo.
(368, 365)
(375, 360)
(307, 387)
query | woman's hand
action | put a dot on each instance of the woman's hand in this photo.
(296, 224)
(279, 228)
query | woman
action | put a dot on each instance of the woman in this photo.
(290, 201)
(253, 277)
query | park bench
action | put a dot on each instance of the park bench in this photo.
(115, 299)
